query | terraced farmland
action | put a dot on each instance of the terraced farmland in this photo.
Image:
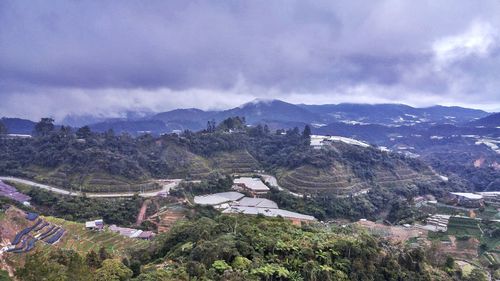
(235, 162)
(340, 179)
(308, 179)
(464, 226)
(90, 182)
(105, 183)
(185, 163)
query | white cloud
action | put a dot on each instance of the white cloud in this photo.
(477, 40)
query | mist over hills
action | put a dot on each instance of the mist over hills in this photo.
(279, 114)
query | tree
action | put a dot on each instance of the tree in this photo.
(83, 132)
(103, 254)
(307, 132)
(93, 260)
(44, 127)
(113, 270)
(211, 125)
(266, 129)
(3, 128)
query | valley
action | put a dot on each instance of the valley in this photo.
(249, 140)
(388, 186)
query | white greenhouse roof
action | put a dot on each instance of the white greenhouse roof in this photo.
(254, 184)
(468, 195)
(267, 212)
(218, 198)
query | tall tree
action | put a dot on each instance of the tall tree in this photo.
(3, 128)
(45, 126)
(307, 132)
(83, 132)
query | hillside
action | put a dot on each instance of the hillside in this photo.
(102, 162)
(393, 114)
(492, 121)
(18, 126)
(352, 169)
(239, 161)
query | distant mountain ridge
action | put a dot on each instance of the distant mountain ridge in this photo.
(280, 114)
(18, 125)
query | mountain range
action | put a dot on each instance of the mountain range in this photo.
(279, 114)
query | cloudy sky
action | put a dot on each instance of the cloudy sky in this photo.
(107, 57)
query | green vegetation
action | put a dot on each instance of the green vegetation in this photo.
(121, 211)
(4, 276)
(68, 265)
(257, 248)
(463, 226)
(215, 182)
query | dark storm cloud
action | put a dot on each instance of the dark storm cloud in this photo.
(139, 52)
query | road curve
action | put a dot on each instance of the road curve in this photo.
(166, 186)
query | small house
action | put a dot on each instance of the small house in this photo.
(95, 225)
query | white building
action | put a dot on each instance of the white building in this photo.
(218, 200)
(257, 202)
(296, 218)
(95, 224)
(252, 185)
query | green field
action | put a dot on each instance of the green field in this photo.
(464, 226)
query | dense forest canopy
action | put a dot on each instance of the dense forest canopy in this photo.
(248, 248)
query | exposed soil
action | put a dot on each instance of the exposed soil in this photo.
(393, 233)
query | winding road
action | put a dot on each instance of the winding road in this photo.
(166, 186)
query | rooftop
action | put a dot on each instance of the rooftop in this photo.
(472, 196)
(254, 184)
(218, 198)
(267, 212)
(129, 232)
(257, 202)
(94, 224)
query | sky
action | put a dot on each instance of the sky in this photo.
(105, 58)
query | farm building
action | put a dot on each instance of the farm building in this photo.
(95, 224)
(468, 200)
(438, 222)
(146, 235)
(257, 202)
(218, 200)
(125, 231)
(253, 185)
(236, 203)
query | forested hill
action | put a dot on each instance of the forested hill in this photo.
(73, 159)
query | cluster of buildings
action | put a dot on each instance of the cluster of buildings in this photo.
(98, 225)
(233, 202)
(437, 223)
(466, 199)
(475, 199)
